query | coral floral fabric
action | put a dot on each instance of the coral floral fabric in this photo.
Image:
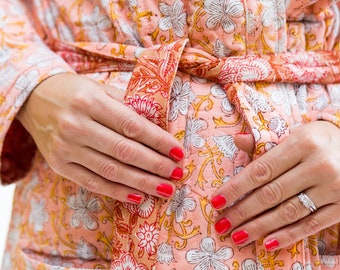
(203, 70)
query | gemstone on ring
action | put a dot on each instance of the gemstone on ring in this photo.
(307, 202)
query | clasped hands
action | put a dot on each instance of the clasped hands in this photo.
(100, 144)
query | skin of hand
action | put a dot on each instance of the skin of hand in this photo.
(306, 161)
(87, 135)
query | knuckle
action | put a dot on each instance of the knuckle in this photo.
(260, 173)
(116, 193)
(90, 184)
(291, 236)
(239, 212)
(258, 227)
(331, 166)
(311, 144)
(311, 226)
(234, 190)
(80, 100)
(160, 167)
(123, 151)
(271, 194)
(289, 212)
(108, 170)
(68, 126)
(132, 127)
(142, 183)
(159, 142)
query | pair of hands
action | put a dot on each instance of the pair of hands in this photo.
(109, 149)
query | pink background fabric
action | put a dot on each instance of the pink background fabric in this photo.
(192, 48)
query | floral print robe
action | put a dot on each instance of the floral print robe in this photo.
(215, 68)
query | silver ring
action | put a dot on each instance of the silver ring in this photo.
(307, 202)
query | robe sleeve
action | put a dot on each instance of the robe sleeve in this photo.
(25, 61)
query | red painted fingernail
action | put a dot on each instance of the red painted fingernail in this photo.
(218, 201)
(165, 190)
(135, 198)
(240, 237)
(177, 174)
(271, 244)
(223, 225)
(176, 153)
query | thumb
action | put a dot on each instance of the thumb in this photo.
(245, 142)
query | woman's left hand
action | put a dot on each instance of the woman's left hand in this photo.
(308, 161)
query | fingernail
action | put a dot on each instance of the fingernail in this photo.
(135, 198)
(165, 190)
(218, 201)
(177, 174)
(176, 153)
(223, 225)
(240, 237)
(271, 244)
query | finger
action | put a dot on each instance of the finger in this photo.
(245, 142)
(258, 173)
(126, 175)
(128, 151)
(285, 214)
(129, 124)
(94, 183)
(321, 219)
(270, 195)
(122, 191)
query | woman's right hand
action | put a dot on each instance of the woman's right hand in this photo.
(87, 135)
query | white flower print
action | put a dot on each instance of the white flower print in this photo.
(181, 203)
(328, 260)
(143, 210)
(257, 101)
(96, 25)
(256, 133)
(180, 99)
(127, 262)
(301, 98)
(85, 250)
(222, 13)
(220, 50)
(148, 236)
(25, 85)
(321, 102)
(84, 209)
(334, 93)
(4, 55)
(38, 215)
(269, 145)
(226, 145)
(132, 3)
(208, 257)
(297, 266)
(105, 3)
(272, 14)
(251, 22)
(174, 18)
(218, 92)
(165, 253)
(192, 138)
(277, 125)
(248, 264)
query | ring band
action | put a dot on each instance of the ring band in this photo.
(307, 202)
